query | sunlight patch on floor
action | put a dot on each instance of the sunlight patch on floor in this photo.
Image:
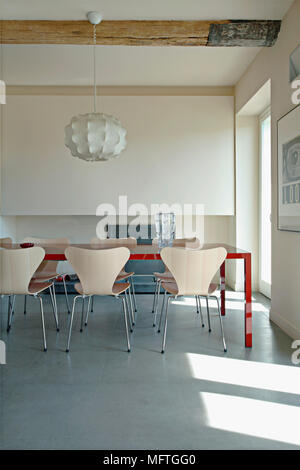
(230, 305)
(257, 418)
(252, 374)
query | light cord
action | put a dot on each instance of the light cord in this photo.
(94, 52)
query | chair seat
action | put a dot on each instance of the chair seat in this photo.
(212, 288)
(166, 276)
(36, 286)
(117, 288)
(44, 276)
(121, 287)
(172, 288)
(124, 275)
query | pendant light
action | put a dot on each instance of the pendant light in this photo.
(95, 136)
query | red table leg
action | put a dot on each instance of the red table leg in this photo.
(248, 301)
(222, 287)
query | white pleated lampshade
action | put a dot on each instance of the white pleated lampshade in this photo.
(95, 137)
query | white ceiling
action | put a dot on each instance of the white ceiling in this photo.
(145, 9)
(119, 65)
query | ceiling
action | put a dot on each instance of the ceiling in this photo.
(145, 9)
(129, 65)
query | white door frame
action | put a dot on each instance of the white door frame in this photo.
(264, 287)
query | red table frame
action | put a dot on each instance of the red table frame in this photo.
(232, 254)
(248, 293)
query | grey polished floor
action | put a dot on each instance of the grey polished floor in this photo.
(194, 397)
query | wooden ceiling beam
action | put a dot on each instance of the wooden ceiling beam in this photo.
(142, 33)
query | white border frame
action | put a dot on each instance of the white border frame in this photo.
(296, 211)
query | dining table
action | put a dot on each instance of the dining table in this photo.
(56, 252)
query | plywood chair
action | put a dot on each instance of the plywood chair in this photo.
(166, 276)
(48, 269)
(6, 242)
(193, 272)
(97, 271)
(17, 269)
(128, 242)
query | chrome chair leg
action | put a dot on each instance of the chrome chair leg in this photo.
(126, 321)
(71, 322)
(133, 293)
(13, 305)
(9, 315)
(66, 294)
(162, 311)
(43, 320)
(54, 305)
(201, 315)
(131, 307)
(25, 304)
(128, 310)
(51, 297)
(157, 290)
(154, 298)
(90, 302)
(157, 302)
(221, 323)
(82, 314)
(208, 316)
(92, 308)
(197, 303)
(165, 327)
(10, 311)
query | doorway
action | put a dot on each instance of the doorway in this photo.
(265, 204)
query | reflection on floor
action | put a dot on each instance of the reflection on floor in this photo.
(193, 397)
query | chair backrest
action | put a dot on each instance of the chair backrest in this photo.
(17, 268)
(129, 242)
(97, 269)
(5, 241)
(193, 242)
(193, 270)
(46, 266)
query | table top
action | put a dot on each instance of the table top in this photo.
(141, 251)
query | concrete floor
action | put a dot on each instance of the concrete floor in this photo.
(194, 397)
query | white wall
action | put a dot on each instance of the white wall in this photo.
(7, 224)
(180, 149)
(8, 227)
(80, 229)
(273, 63)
